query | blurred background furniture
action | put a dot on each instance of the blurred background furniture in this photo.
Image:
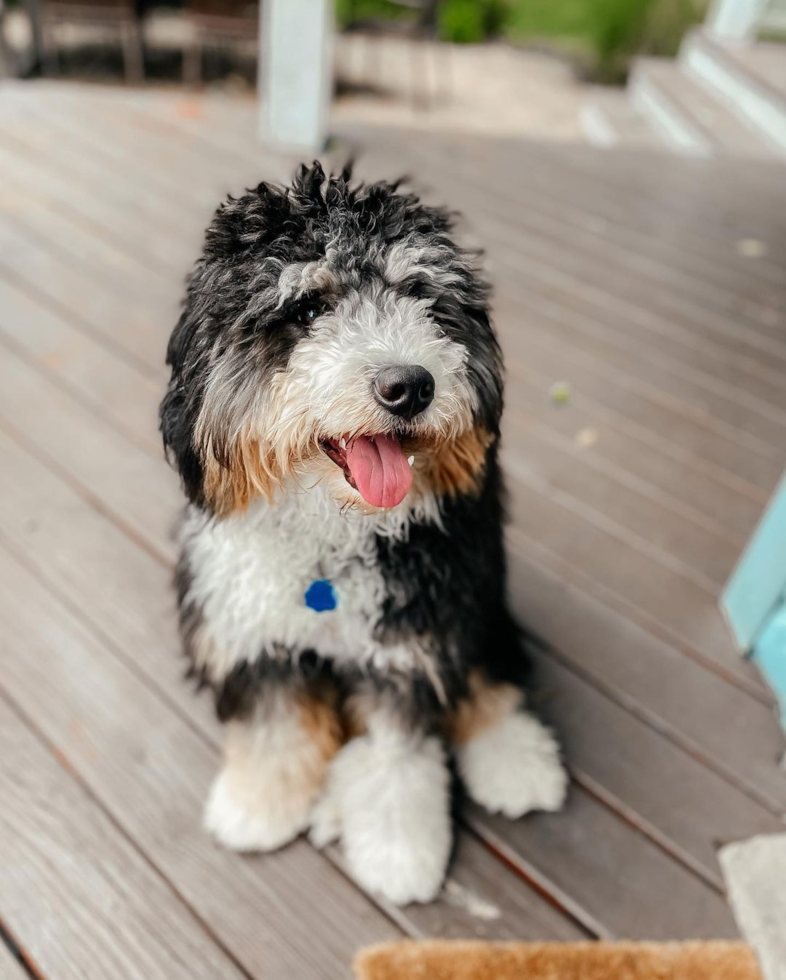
(118, 17)
(216, 23)
(417, 23)
(6, 58)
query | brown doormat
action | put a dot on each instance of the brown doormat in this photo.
(441, 960)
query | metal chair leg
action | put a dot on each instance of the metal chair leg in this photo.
(133, 53)
(192, 63)
(7, 65)
(50, 57)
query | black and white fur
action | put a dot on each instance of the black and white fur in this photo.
(343, 722)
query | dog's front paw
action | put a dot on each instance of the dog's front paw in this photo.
(390, 802)
(248, 819)
(514, 767)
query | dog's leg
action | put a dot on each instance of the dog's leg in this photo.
(509, 762)
(388, 798)
(275, 765)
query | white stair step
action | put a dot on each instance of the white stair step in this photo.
(688, 113)
(764, 61)
(609, 119)
(748, 77)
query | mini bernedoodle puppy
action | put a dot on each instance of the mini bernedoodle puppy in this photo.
(334, 414)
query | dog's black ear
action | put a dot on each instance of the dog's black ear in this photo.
(180, 407)
(485, 368)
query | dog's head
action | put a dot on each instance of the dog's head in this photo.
(335, 331)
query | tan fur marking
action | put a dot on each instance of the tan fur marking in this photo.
(456, 467)
(247, 475)
(485, 707)
(357, 710)
(277, 761)
(321, 723)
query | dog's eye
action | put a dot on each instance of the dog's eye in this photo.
(308, 311)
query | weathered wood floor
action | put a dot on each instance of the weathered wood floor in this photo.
(616, 272)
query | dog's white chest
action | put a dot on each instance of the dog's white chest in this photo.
(250, 575)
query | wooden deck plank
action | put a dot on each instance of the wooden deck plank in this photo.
(611, 876)
(118, 215)
(675, 480)
(76, 895)
(220, 125)
(75, 354)
(123, 331)
(94, 111)
(686, 807)
(135, 490)
(111, 386)
(707, 219)
(80, 536)
(566, 467)
(11, 967)
(711, 719)
(755, 390)
(776, 433)
(592, 199)
(106, 574)
(80, 528)
(79, 121)
(719, 406)
(133, 330)
(645, 581)
(124, 480)
(483, 899)
(621, 396)
(502, 196)
(550, 232)
(694, 372)
(122, 322)
(37, 212)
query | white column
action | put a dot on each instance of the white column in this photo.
(295, 73)
(734, 19)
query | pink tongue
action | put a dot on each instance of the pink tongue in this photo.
(380, 469)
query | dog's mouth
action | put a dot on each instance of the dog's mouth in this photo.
(376, 466)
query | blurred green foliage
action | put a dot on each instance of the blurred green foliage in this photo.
(601, 35)
(605, 34)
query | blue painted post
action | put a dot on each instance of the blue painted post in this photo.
(754, 600)
(770, 655)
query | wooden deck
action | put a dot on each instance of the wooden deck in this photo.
(623, 274)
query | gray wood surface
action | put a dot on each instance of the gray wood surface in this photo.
(76, 894)
(150, 770)
(616, 272)
(11, 967)
(708, 717)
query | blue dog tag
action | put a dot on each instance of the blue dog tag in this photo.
(321, 596)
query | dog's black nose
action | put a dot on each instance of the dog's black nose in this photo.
(404, 390)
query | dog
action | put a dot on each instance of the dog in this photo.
(334, 414)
